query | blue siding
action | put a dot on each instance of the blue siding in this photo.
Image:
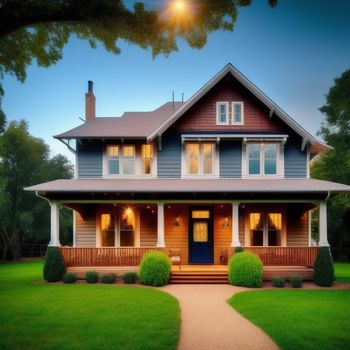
(294, 159)
(169, 158)
(90, 157)
(231, 159)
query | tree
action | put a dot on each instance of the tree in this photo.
(24, 161)
(335, 165)
(39, 29)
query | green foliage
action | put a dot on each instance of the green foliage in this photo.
(323, 269)
(69, 277)
(278, 281)
(245, 269)
(296, 281)
(155, 269)
(109, 278)
(25, 161)
(335, 131)
(91, 277)
(130, 277)
(54, 267)
(238, 249)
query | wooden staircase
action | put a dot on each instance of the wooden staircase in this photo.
(198, 275)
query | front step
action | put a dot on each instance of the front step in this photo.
(198, 277)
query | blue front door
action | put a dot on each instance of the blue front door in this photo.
(201, 236)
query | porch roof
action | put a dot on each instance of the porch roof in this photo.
(211, 186)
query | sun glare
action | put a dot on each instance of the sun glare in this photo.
(179, 5)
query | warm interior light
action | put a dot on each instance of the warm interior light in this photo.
(127, 211)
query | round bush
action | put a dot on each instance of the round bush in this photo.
(155, 269)
(245, 269)
(54, 267)
(296, 281)
(323, 269)
(69, 277)
(278, 281)
(91, 276)
(130, 277)
(109, 278)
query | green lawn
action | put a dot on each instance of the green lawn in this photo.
(342, 272)
(37, 315)
(299, 319)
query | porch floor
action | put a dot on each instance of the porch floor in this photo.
(199, 273)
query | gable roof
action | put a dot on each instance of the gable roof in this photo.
(129, 125)
(151, 124)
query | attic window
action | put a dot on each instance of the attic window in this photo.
(222, 113)
(237, 113)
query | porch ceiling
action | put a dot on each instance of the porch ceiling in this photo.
(189, 188)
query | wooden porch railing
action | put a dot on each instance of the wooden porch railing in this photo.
(104, 256)
(300, 256)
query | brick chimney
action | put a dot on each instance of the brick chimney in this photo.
(90, 102)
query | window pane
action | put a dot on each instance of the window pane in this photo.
(128, 166)
(200, 231)
(255, 221)
(254, 166)
(113, 166)
(275, 221)
(113, 151)
(223, 113)
(193, 158)
(128, 151)
(200, 214)
(257, 238)
(146, 166)
(237, 112)
(253, 151)
(270, 151)
(273, 238)
(147, 158)
(107, 230)
(270, 167)
(207, 158)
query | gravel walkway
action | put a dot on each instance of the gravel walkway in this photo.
(208, 322)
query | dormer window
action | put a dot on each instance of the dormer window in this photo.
(200, 158)
(237, 113)
(222, 113)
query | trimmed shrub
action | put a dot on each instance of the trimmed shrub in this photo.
(296, 281)
(130, 277)
(69, 277)
(91, 276)
(238, 250)
(245, 269)
(278, 281)
(109, 278)
(155, 269)
(323, 269)
(54, 267)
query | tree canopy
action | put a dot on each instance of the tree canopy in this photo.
(335, 165)
(25, 161)
(37, 30)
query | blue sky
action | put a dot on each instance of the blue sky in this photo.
(292, 52)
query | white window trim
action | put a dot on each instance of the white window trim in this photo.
(218, 104)
(279, 161)
(233, 122)
(216, 162)
(138, 173)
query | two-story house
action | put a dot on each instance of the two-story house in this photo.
(227, 168)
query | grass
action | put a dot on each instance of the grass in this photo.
(38, 315)
(299, 319)
(342, 272)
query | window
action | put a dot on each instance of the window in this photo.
(127, 228)
(121, 160)
(107, 230)
(262, 158)
(222, 113)
(237, 113)
(200, 158)
(265, 229)
(147, 155)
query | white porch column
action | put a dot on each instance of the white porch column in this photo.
(160, 226)
(55, 224)
(235, 225)
(323, 241)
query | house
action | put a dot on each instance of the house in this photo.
(227, 168)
